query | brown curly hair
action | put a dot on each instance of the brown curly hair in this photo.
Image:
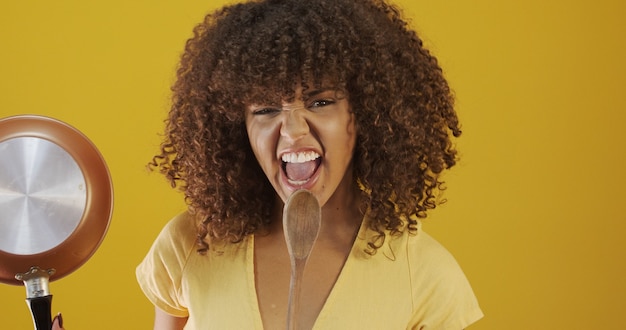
(253, 53)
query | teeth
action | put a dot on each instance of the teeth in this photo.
(300, 157)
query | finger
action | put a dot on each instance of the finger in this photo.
(57, 322)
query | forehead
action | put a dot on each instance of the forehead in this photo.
(292, 91)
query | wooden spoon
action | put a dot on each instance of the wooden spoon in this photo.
(302, 218)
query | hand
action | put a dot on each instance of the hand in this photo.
(57, 322)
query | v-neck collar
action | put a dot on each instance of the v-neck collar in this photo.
(355, 251)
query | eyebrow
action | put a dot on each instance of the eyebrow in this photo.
(314, 92)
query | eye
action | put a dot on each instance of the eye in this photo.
(321, 103)
(264, 111)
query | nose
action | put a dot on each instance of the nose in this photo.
(294, 124)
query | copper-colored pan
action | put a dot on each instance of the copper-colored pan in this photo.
(56, 201)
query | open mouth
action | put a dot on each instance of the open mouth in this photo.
(299, 167)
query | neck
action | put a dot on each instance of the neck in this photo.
(341, 216)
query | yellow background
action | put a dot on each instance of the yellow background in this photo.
(536, 211)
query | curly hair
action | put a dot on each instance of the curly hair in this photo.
(253, 53)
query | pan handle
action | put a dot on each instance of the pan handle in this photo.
(40, 308)
(38, 297)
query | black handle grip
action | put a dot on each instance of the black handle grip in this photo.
(41, 310)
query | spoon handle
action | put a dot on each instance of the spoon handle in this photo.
(295, 288)
(301, 223)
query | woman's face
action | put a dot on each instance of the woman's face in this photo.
(305, 144)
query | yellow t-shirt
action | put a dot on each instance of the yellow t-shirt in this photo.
(411, 283)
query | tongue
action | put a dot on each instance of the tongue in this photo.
(300, 171)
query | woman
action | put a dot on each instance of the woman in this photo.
(336, 97)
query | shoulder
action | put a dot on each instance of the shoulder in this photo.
(177, 239)
(182, 225)
(174, 243)
(161, 271)
(430, 259)
(423, 248)
(442, 294)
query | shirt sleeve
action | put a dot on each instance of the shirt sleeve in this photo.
(160, 273)
(443, 297)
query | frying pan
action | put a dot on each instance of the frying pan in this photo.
(56, 201)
